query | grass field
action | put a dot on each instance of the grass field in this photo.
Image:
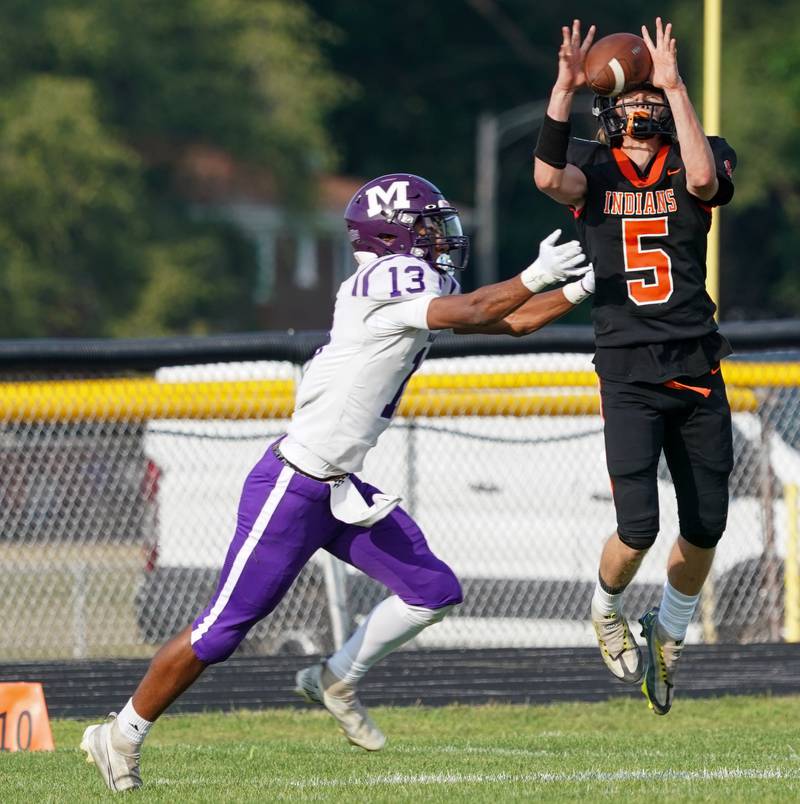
(729, 749)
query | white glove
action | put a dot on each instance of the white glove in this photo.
(554, 263)
(576, 292)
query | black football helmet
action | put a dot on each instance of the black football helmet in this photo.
(640, 119)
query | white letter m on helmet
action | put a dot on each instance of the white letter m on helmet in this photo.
(395, 196)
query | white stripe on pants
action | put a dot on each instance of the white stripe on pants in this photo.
(259, 526)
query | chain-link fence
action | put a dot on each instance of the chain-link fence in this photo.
(119, 495)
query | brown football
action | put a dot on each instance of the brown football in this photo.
(617, 63)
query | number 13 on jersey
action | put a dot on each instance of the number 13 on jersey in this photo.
(647, 290)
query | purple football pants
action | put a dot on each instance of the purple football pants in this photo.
(284, 518)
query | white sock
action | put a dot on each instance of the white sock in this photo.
(132, 725)
(675, 611)
(605, 603)
(390, 624)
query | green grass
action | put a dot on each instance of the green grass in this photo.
(729, 749)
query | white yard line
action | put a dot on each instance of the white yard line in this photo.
(715, 774)
(475, 749)
(708, 774)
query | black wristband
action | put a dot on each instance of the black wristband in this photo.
(553, 141)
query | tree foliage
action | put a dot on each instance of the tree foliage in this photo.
(71, 200)
(92, 240)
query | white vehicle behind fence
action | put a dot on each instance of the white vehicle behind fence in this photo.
(518, 506)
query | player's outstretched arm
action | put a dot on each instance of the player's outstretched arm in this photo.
(539, 310)
(552, 174)
(491, 304)
(698, 160)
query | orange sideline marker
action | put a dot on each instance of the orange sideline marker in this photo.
(24, 723)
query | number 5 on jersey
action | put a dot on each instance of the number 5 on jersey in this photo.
(647, 290)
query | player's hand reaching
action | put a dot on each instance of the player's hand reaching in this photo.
(571, 56)
(664, 54)
(555, 263)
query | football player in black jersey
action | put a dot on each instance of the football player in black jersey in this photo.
(642, 197)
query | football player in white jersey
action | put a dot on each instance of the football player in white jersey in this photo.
(304, 495)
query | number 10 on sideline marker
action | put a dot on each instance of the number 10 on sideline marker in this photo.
(24, 723)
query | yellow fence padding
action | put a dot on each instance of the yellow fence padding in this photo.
(746, 375)
(139, 399)
(428, 395)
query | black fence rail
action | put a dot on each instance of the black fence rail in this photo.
(91, 689)
(297, 347)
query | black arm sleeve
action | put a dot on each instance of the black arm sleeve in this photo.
(553, 141)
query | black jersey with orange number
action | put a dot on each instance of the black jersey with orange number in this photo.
(646, 237)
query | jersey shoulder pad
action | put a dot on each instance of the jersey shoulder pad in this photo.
(725, 163)
(583, 153)
(396, 278)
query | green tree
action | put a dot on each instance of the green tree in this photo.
(70, 208)
(98, 98)
(246, 75)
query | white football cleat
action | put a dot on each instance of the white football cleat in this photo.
(116, 758)
(618, 648)
(317, 685)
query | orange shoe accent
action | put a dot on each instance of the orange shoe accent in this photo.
(705, 392)
(24, 723)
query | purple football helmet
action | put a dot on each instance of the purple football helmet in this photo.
(405, 214)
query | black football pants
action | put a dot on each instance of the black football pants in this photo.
(690, 420)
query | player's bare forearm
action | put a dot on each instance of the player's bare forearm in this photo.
(538, 311)
(698, 160)
(560, 104)
(566, 185)
(535, 313)
(482, 307)
(556, 262)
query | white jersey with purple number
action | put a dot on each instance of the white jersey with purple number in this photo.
(379, 338)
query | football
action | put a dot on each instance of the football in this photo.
(617, 63)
